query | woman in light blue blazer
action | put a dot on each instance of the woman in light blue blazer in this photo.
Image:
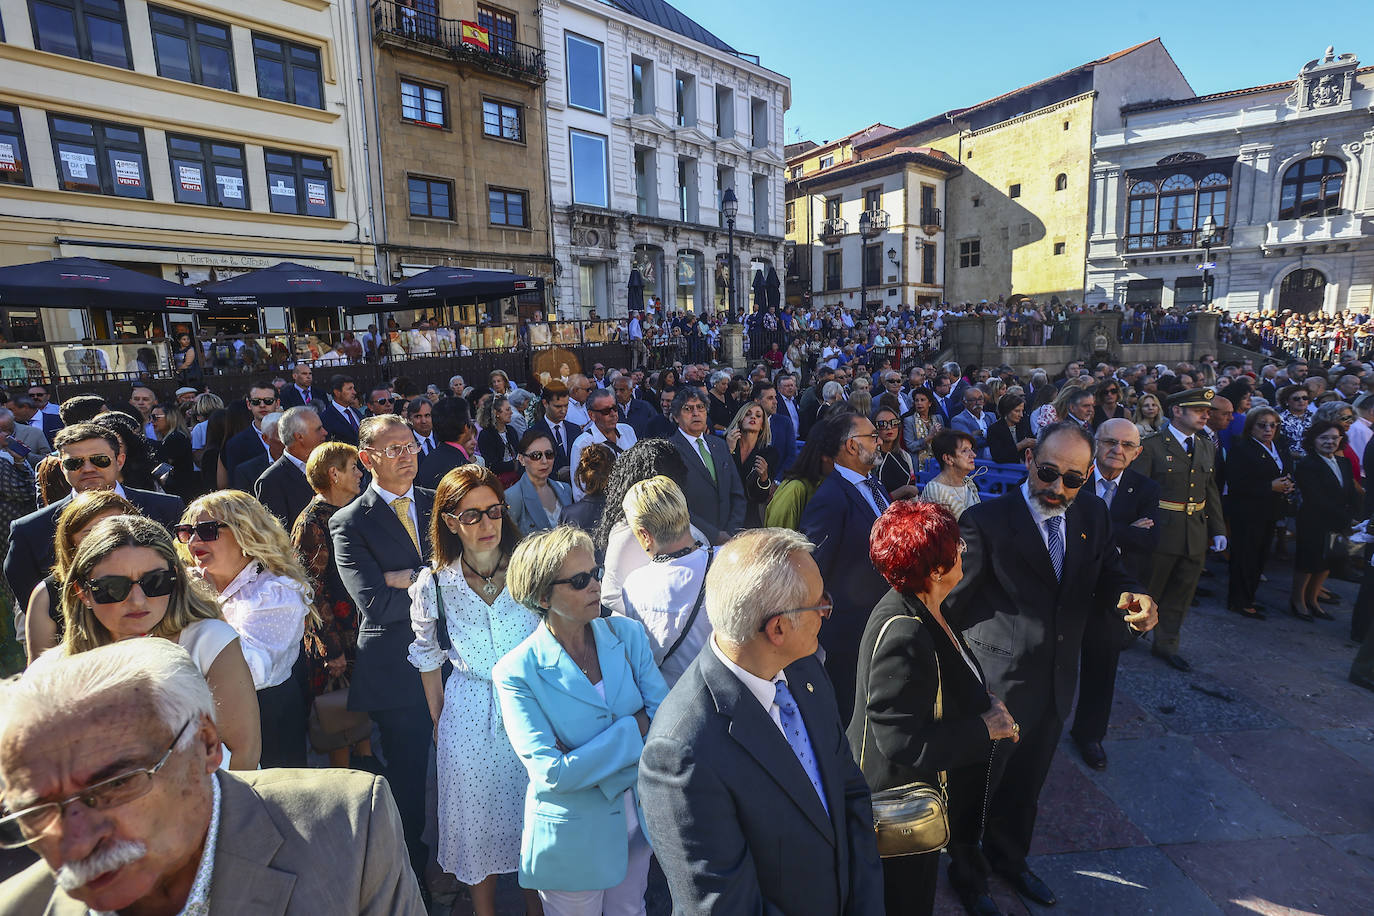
(576, 699)
(536, 502)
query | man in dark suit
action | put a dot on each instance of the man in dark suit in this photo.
(633, 412)
(781, 433)
(300, 392)
(282, 488)
(787, 401)
(838, 520)
(1034, 557)
(91, 460)
(250, 443)
(340, 412)
(1133, 503)
(450, 423)
(714, 490)
(663, 426)
(811, 401)
(246, 473)
(945, 405)
(555, 425)
(381, 541)
(750, 792)
(419, 413)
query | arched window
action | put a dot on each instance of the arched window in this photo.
(1312, 187)
(1061, 181)
(1170, 213)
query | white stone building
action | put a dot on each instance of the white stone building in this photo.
(1284, 172)
(650, 118)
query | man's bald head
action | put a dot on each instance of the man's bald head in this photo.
(1222, 412)
(1115, 445)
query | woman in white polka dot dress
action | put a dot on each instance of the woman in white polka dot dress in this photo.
(460, 610)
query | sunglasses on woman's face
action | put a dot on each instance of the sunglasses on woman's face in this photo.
(546, 455)
(157, 583)
(581, 580)
(473, 516)
(888, 424)
(206, 531)
(73, 463)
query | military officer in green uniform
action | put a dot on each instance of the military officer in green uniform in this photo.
(1183, 462)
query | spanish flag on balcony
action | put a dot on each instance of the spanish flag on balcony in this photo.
(475, 35)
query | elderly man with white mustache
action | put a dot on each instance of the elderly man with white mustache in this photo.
(109, 761)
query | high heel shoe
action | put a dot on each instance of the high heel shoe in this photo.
(1301, 615)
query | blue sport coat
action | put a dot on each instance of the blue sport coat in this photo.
(784, 439)
(574, 837)
(525, 508)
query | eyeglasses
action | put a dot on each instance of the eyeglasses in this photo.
(545, 456)
(157, 583)
(826, 606)
(206, 531)
(73, 463)
(473, 516)
(581, 580)
(381, 400)
(35, 822)
(1072, 479)
(872, 435)
(261, 402)
(1110, 444)
(1266, 426)
(159, 416)
(396, 451)
(888, 424)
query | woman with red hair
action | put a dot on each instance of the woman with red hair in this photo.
(922, 712)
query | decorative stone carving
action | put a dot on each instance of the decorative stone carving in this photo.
(1325, 82)
(1177, 158)
(1318, 146)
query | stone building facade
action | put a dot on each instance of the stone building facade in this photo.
(1284, 170)
(460, 156)
(650, 119)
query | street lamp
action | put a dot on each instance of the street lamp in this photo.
(1209, 232)
(730, 204)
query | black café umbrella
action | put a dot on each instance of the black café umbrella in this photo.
(91, 284)
(760, 291)
(290, 285)
(635, 298)
(467, 284)
(773, 285)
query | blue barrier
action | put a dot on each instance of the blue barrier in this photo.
(991, 479)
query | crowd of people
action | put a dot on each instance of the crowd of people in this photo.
(1314, 335)
(679, 613)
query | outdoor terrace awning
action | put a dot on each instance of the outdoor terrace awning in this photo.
(91, 284)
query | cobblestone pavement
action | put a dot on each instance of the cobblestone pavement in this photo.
(1245, 787)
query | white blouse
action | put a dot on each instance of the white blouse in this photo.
(268, 611)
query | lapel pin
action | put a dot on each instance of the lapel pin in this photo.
(809, 688)
(1083, 535)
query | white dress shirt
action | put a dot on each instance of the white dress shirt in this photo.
(577, 414)
(388, 497)
(764, 691)
(268, 612)
(857, 480)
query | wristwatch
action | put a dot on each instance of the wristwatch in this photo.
(414, 574)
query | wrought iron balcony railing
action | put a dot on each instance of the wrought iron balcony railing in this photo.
(506, 55)
(931, 216)
(833, 228)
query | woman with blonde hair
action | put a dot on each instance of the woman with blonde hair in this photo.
(462, 613)
(749, 439)
(331, 639)
(238, 548)
(1149, 414)
(43, 625)
(100, 605)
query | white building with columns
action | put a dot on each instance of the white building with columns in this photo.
(1282, 170)
(650, 118)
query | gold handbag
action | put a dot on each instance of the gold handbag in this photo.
(910, 819)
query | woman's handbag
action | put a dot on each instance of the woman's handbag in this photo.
(912, 819)
(332, 724)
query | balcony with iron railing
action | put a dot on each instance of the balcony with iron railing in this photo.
(404, 25)
(1173, 240)
(874, 221)
(833, 229)
(931, 219)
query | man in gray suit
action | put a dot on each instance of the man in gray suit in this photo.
(752, 798)
(713, 487)
(110, 761)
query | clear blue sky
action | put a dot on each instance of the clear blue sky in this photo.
(854, 62)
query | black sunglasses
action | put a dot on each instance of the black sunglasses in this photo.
(546, 455)
(261, 402)
(74, 463)
(157, 583)
(206, 531)
(1072, 479)
(583, 579)
(473, 516)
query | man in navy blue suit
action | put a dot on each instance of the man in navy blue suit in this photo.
(635, 413)
(340, 413)
(300, 392)
(251, 443)
(838, 520)
(1133, 501)
(782, 434)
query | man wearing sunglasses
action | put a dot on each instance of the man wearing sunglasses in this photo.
(1035, 558)
(91, 460)
(110, 763)
(251, 443)
(604, 430)
(1183, 461)
(381, 541)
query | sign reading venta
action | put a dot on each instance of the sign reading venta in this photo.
(475, 35)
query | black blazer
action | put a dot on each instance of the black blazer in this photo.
(338, 427)
(243, 446)
(493, 447)
(716, 505)
(32, 552)
(570, 434)
(732, 816)
(1327, 506)
(283, 489)
(1250, 474)
(246, 474)
(896, 699)
(290, 397)
(176, 451)
(638, 415)
(1024, 627)
(1002, 444)
(1137, 497)
(369, 541)
(437, 463)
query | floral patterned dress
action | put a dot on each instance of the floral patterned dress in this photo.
(337, 632)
